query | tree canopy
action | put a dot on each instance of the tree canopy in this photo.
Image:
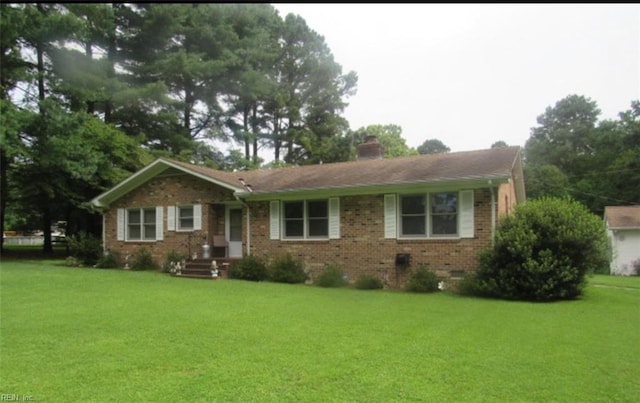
(433, 146)
(92, 92)
(572, 153)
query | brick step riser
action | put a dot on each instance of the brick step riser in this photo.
(201, 268)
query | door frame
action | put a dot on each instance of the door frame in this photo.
(234, 247)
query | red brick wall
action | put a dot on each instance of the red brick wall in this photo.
(168, 191)
(362, 247)
(506, 199)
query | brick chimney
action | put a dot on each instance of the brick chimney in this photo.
(370, 149)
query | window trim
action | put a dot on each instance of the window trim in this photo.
(142, 224)
(427, 197)
(305, 221)
(178, 218)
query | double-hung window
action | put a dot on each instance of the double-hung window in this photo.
(306, 219)
(141, 224)
(185, 218)
(444, 214)
(429, 215)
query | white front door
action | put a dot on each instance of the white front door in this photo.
(234, 231)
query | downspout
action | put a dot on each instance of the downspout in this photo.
(493, 212)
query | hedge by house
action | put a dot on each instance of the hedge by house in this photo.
(543, 252)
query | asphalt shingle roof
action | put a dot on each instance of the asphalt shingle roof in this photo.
(480, 164)
(622, 216)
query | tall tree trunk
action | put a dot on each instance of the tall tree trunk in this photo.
(245, 129)
(276, 138)
(46, 210)
(111, 70)
(4, 164)
(46, 226)
(254, 130)
(88, 51)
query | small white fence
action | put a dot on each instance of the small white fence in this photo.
(24, 240)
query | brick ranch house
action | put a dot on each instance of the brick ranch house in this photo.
(376, 216)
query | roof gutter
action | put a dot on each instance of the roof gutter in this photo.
(365, 189)
(493, 212)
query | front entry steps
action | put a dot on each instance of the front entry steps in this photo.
(202, 268)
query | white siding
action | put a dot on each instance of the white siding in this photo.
(626, 249)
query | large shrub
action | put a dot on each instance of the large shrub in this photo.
(249, 268)
(85, 247)
(286, 269)
(543, 251)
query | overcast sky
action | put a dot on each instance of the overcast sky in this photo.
(470, 75)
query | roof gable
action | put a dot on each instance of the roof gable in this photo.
(156, 168)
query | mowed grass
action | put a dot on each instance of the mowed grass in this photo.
(71, 334)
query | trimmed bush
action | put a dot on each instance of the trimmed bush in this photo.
(422, 280)
(71, 261)
(368, 282)
(85, 247)
(142, 260)
(286, 269)
(543, 252)
(468, 285)
(332, 276)
(249, 268)
(109, 260)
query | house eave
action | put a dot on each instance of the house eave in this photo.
(440, 184)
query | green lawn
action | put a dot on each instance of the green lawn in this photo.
(112, 335)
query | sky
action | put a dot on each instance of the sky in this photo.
(470, 75)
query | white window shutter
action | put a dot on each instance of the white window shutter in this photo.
(197, 217)
(120, 224)
(466, 214)
(334, 218)
(159, 223)
(390, 230)
(171, 218)
(274, 219)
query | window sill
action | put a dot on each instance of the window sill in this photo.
(421, 239)
(304, 239)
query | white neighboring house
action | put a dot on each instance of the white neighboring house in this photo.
(623, 229)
